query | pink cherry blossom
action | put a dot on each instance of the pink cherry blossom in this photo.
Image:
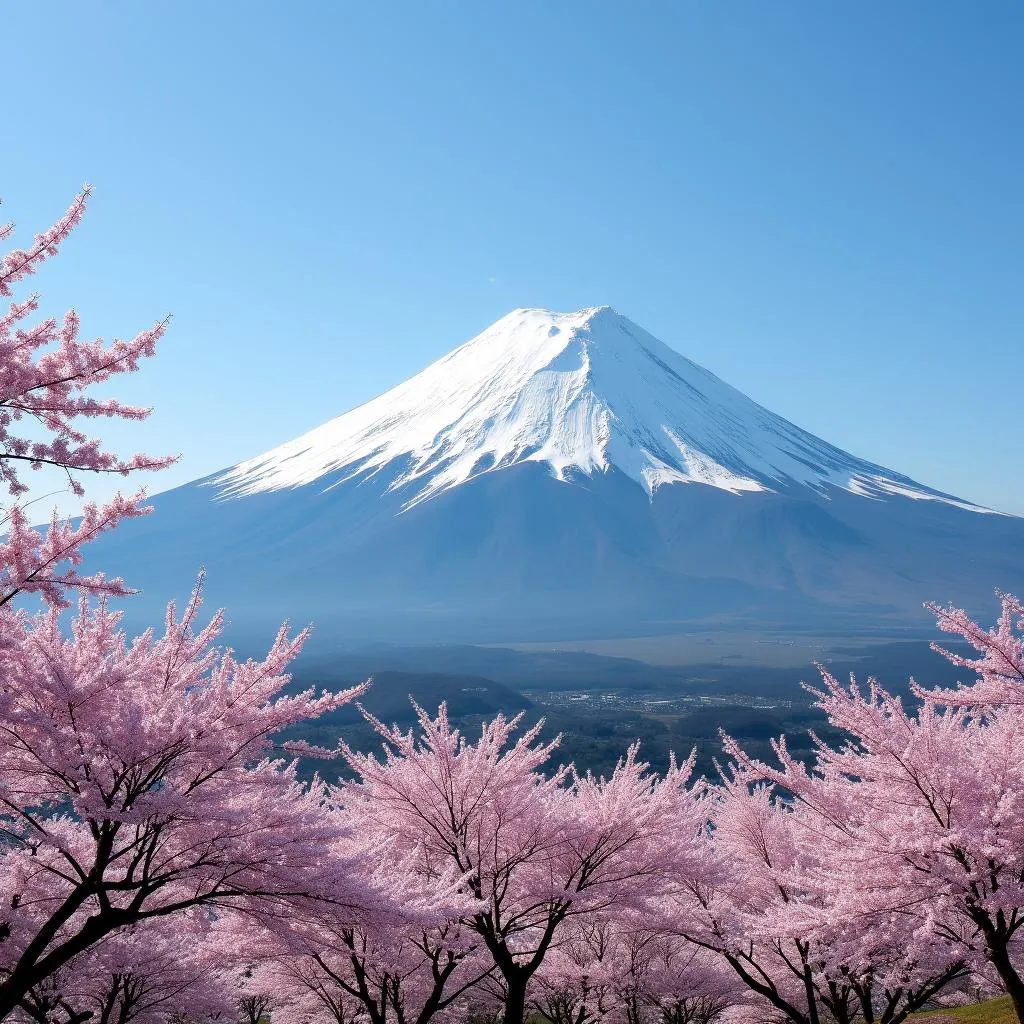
(916, 830)
(1000, 665)
(535, 851)
(46, 374)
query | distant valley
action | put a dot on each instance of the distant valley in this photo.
(601, 704)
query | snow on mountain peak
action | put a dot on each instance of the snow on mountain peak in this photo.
(582, 393)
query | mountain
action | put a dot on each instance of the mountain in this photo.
(559, 476)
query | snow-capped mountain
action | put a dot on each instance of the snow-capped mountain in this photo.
(563, 475)
(579, 393)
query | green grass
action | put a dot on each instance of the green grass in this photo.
(992, 1011)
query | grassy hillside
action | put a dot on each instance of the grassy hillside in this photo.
(992, 1011)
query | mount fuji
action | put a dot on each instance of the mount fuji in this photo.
(562, 475)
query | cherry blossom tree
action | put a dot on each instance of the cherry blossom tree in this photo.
(146, 973)
(621, 968)
(46, 372)
(258, 995)
(661, 977)
(254, 1007)
(776, 914)
(575, 984)
(410, 979)
(534, 850)
(616, 967)
(137, 784)
(403, 964)
(920, 815)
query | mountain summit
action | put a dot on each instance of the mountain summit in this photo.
(559, 476)
(579, 393)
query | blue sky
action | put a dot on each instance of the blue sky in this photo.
(822, 203)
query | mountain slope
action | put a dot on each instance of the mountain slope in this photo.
(564, 475)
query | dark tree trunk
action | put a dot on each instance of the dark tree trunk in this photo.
(812, 995)
(515, 1001)
(1010, 978)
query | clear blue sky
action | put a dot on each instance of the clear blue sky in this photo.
(822, 203)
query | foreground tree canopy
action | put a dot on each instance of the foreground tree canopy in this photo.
(161, 859)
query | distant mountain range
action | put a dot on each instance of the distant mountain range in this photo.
(561, 476)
